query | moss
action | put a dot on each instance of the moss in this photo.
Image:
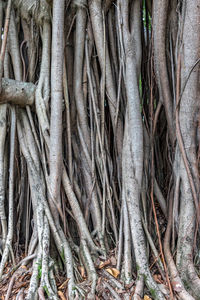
(153, 293)
(46, 290)
(145, 277)
(62, 254)
(39, 270)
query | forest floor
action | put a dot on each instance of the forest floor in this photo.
(109, 278)
(107, 285)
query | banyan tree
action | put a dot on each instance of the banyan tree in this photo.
(99, 149)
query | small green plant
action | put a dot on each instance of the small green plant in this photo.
(39, 270)
(46, 290)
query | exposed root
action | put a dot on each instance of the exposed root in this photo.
(89, 265)
(139, 288)
(78, 175)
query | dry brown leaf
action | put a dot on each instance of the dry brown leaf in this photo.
(157, 278)
(99, 280)
(128, 286)
(147, 297)
(20, 284)
(103, 264)
(82, 271)
(114, 272)
(64, 284)
(61, 295)
(23, 267)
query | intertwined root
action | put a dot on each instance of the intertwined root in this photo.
(85, 144)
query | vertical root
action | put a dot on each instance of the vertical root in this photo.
(89, 265)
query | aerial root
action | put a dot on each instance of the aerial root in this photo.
(90, 268)
(139, 288)
(20, 295)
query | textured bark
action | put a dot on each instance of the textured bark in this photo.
(57, 58)
(17, 92)
(97, 177)
(189, 109)
(160, 9)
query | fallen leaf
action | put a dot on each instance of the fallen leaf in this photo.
(99, 280)
(157, 278)
(64, 284)
(147, 297)
(103, 264)
(82, 271)
(23, 267)
(114, 272)
(128, 286)
(20, 284)
(61, 295)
